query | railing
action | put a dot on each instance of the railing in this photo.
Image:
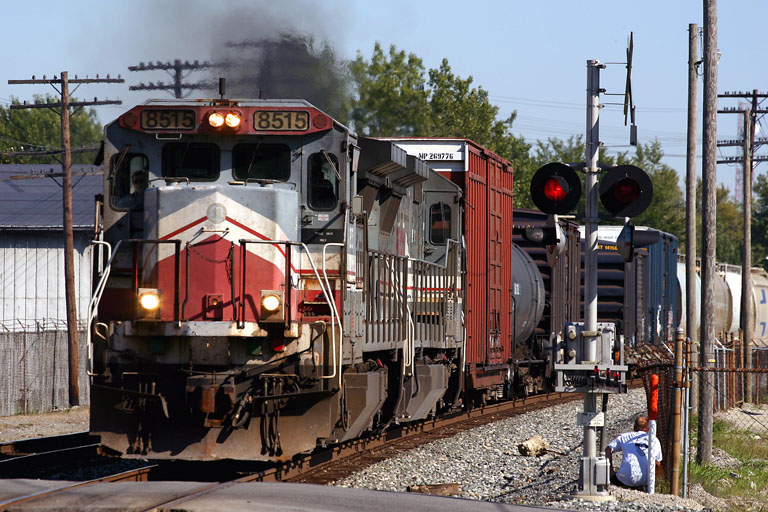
(391, 316)
(336, 356)
(385, 295)
(98, 292)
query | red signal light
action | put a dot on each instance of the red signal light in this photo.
(626, 191)
(555, 189)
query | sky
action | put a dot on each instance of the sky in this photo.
(529, 55)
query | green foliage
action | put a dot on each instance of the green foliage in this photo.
(40, 130)
(727, 482)
(397, 97)
(729, 224)
(760, 221)
(667, 209)
(392, 97)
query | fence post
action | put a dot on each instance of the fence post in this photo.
(687, 419)
(678, 397)
(652, 415)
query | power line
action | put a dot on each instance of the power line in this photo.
(178, 68)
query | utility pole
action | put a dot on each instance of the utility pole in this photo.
(178, 68)
(747, 160)
(746, 253)
(692, 308)
(69, 244)
(709, 232)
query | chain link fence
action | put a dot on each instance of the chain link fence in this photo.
(34, 361)
(740, 394)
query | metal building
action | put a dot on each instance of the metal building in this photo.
(33, 327)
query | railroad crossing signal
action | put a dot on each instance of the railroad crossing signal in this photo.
(555, 188)
(630, 239)
(626, 191)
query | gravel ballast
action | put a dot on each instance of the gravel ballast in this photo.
(487, 466)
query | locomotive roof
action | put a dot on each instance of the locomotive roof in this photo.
(36, 203)
(248, 102)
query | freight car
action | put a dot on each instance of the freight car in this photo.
(640, 297)
(269, 281)
(727, 300)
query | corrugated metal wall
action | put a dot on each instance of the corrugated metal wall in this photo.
(33, 326)
(488, 234)
(32, 279)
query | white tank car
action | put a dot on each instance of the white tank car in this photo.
(728, 301)
(760, 301)
(682, 297)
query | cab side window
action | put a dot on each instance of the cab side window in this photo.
(129, 180)
(439, 223)
(323, 193)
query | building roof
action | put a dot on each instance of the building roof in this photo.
(36, 202)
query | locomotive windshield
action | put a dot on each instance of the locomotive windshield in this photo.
(196, 161)
(262, 162)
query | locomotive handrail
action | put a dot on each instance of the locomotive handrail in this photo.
(176, 276)
(96, 298)
(334, 309)
(102, 284)
(326, 291)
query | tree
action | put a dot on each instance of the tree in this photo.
(667, 209)
(729, 241)
(396, 98)
(40, 130)
(392, 99)
(760, 221)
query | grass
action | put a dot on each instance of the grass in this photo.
(744, 481)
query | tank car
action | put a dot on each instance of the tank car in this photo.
(560, 277)
(727, 300)
(270, 282)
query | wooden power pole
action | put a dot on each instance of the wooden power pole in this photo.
(692, 308)
(69, 242)
(709, 232)
(747, 160)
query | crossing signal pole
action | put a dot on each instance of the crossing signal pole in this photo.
(178, 68)
(590, 357)
(69, 245)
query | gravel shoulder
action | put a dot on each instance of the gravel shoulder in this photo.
(486, 463)
(68, 421)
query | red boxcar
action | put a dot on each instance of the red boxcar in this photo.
(486, 180)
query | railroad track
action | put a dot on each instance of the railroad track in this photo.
(319, 467)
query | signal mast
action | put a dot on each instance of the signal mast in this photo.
(590, 360)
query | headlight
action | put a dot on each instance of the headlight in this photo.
(270, 302)
(149, 300)
(232, 120)
(216, 120)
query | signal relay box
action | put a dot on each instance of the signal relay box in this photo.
(589, 362)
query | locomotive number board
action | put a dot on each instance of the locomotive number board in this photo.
(167, 119)
(281, 120)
